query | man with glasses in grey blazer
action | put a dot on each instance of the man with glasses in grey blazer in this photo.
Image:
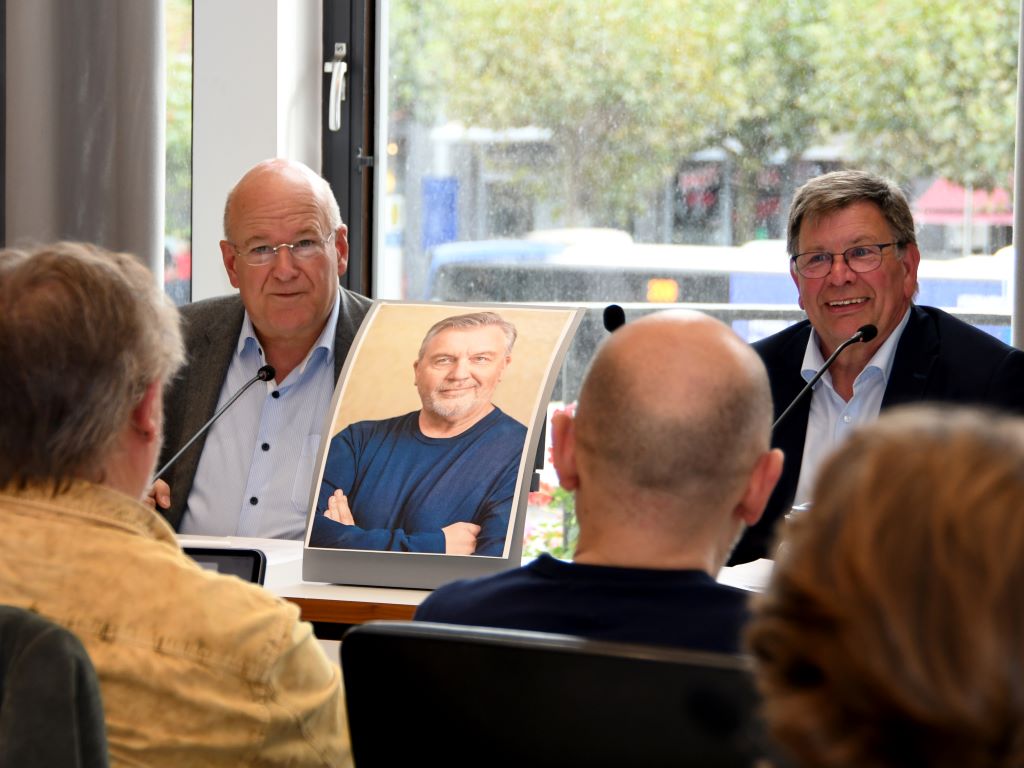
(284, 249)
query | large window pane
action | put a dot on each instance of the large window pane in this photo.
(178, 205)
(646, 153)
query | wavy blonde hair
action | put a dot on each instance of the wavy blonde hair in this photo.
(892, 632)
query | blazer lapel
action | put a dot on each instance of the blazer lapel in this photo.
(219, 342)
(915, 358)
(791, 433)
(210, 346)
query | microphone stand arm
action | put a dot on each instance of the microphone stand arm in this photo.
(202, 430)
(821, 372)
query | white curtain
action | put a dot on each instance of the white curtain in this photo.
(85, 124)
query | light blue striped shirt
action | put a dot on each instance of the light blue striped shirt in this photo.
(255, 474)
(832, 418)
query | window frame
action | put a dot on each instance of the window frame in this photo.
(3, 123)
(349, 153)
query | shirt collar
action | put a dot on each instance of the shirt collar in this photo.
(881, 361)
(247, 336)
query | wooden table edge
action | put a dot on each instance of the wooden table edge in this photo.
(349, 611)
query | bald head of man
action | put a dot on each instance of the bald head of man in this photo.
(669, 449)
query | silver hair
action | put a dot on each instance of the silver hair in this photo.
(471, 320)
(832, 192)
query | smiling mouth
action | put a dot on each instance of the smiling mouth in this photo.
(455, 391)
(845, 302)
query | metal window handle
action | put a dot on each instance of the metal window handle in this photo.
(337, 68)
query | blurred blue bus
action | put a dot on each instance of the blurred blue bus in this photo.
(594, 266)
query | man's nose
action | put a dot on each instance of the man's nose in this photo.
(840, 272)
(284, 262)
(460, 370)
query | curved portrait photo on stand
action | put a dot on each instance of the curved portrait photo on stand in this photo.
(438, 479)
(429, 446)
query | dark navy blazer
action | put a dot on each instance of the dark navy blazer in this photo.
(939, 358)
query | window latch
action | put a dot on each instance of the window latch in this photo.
(337, 68)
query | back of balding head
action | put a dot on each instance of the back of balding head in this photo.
(674, 402)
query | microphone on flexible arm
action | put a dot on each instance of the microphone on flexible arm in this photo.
(614, 317)
(865, 333)
(266, 373)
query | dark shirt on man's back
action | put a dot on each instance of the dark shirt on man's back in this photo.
(685, 608)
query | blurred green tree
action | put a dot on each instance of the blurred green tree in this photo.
(178, 150)
(913, 88)
(928, 88)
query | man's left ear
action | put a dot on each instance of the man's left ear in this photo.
(230, 258)
(796, 282)
(341, 248)
(147, 416)
(911, 257)
(911, 260)
(563, 450)
(760, 485)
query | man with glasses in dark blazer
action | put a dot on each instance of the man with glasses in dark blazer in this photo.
(854, 259)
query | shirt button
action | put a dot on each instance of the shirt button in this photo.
(275, 394)
(846, 418)
(265, 446)
(253, 500)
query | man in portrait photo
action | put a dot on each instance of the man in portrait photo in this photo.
(440, 479)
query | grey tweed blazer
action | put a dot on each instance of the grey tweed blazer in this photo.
(211, 329)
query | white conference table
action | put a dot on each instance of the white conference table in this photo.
(318, 602)
(334, 607)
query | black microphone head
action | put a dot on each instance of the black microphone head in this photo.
(614, 317)
(267, 373)
(867, 332)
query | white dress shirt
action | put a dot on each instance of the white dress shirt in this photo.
(831, 417)
(255, 474)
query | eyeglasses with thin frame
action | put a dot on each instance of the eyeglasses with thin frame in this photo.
(859, 258)
(303, 250)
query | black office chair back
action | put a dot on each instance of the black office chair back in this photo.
(51, 713)
(435, 693)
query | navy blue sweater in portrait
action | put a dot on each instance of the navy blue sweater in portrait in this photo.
(404, 487)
